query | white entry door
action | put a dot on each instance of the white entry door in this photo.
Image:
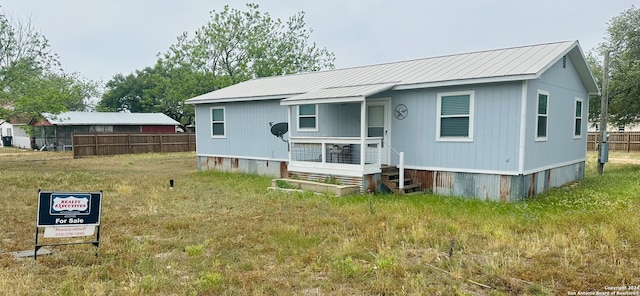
(379, 125)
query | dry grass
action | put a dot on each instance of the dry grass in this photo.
(224, 234)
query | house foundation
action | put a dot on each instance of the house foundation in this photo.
(494, 186)
(272, 168)
(484, 186)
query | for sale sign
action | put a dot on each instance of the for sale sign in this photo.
(69, 231)
(69, 208)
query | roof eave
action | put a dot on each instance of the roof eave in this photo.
(113, 123)
(465, 81)
(585, 71)
(196, 101)
(350, 99)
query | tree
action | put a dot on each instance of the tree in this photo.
(232, 47)
(242, 45)
(623, 42)
(156, 89)
(124, 93)
(55, 93)
(24, 53)
(30, 79)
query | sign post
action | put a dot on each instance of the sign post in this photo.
(68, 214)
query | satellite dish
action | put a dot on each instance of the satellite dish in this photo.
(279, 129)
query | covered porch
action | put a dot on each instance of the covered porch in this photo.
(339, 131)
(335, 156)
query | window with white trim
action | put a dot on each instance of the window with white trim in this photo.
(577, 122)
(308, 117)
(455, 116)
(542, 124)
(218, 126)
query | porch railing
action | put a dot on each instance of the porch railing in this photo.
(335, 155)
(400, 167)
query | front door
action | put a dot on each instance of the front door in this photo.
(379, 125)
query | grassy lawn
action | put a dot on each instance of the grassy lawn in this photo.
(225, 234)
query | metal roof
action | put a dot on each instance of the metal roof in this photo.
(510, 64)
(355, 93)
(108, 118)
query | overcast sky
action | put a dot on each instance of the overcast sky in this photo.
(100, 38)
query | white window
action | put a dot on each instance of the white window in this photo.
(542, 125)
(218, 126)
(577, 122)
(455, 116)
(308, 117)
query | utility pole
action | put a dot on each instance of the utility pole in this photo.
(603, 151)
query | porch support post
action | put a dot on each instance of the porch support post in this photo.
(290, 130)
(401, 164)
(363, 133)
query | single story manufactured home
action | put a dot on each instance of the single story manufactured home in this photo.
(501, 124)
(54, 130)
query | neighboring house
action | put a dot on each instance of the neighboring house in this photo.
(54, 130)
(13, 128)
(6, 132)
(595, 127)
(16, 128)
(21, 137)
(501, 124)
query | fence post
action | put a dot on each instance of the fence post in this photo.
(161, 144)
(628, 142)
(73, 142)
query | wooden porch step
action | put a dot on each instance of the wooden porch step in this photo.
(391, 175)
(410, 187)
(407, 181)
(391, 179)
(388, 169)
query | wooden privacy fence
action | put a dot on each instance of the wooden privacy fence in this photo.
(113, 143)
(618, 141)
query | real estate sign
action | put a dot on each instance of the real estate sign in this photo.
(62, 209)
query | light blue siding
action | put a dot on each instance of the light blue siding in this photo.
(248, 134)
(495, 144)
(334, 120)
(564, 86)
